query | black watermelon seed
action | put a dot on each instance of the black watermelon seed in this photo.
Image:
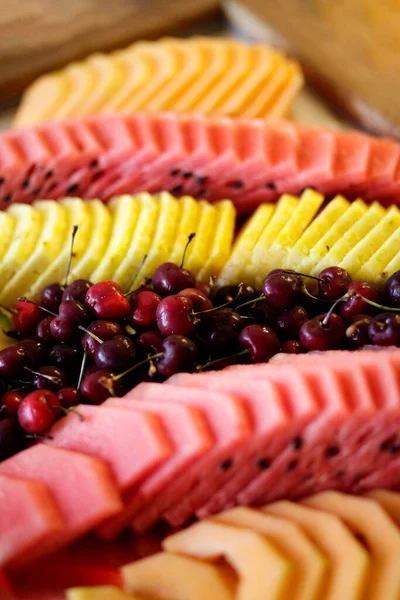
(297, 443)
(72, 188)
(395, 449)
(387, 444)
(25, 184)
(226, 465)
(270, 186)
(291, 465)
(36, 192)
(332, 451)
(187, 175)
(236, 184)
(201, 180)
(8, 198)
(94, 164)
(178, 189)
(48, 174)
(2, 180)
(263, 464)
(174, 172)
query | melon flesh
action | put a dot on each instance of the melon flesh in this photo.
(230, 425)
(166, 576)
(349, 562)
(191, 439)
(81, 486)
(262, 570)
(366, 518)
(98, 157)
(309, 564)
(28, 517)
(390, 502)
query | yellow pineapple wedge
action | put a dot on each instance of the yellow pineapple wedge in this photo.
(199, 249)
(222, 242)
(189, 219)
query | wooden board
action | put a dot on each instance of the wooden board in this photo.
(350, 50)
(40, 35)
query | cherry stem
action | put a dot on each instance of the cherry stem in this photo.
(93, 335)
(305, 291)
(325, 320)
(48, 377)
(140, 267)
(261, 297)
(24, 299)
(372, 303)
(139, 364)
(83, 364)
(305, 275)
(12, 311)
(66, 411)
(189, 240)
(219, 360)
(35, 436)
(202, 312)
(74, 232)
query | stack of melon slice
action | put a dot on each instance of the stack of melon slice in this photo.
(329, 546)
(296, 234)
(111, 240)
(202, 75)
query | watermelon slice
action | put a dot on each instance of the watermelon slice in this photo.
(107, 155)
(28, 517)
(6, 592)
(81, 486)
(192, 439)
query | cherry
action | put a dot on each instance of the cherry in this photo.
(35, 349)
(13, 360)
(72, 310)
(293, 347)
(150, 342)
(200, 301)
(235, 295)
(77, 290)
(174, 316)
(49, 378)
(43, 331)
(281, 289)
(100, 385)
(107, 301)
(392, 289)
(290, 321)
(68, 397)
(264, 313)
(223, 329)
(51, 297)
(104, 330)
(10, 403)
(38, 411)
(26, 317)
(334, 283)
(115, 355)
(357, 332)
(143, 310)
(203, 287)
(355, 305)
(323, 332)
(64, 356)
(384, 330)
(10, 438)
(63, 329)
(170, 279)
(179, 356)
(261, 341)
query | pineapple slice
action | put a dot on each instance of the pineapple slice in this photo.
(139, 243)
(7, 228)
(199, 248)
(298, 256)
(244, 245)
(256, 270)
(375, 268)
(190, 215)
(366, 518)
(78, 214)
(106, 592)
(348, 560)
(54, 219)
(29, 223)
(101, 226)
(309, 564)
(222, 243)
(124, 213)
(166, 576)
(263, 571)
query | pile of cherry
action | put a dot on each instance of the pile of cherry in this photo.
(85, 342)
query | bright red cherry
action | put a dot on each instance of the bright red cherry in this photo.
(38, 411)
(322, 332)
(334, 283)
(10, 403)
(100, 385)
(261, 341)
(68, 397)
(143, 310)
(107, 301)
(27, 317)
(200, 301)
(355, 305)
(174, 316)
(104, 330)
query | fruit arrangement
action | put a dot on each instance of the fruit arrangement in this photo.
(201, 75)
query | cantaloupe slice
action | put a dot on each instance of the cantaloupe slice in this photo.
(222, 243)
(348, 560)
(390, 502)
(309, 564)
(106, 592)
(262, 570)
(366, 518)
(166, 576)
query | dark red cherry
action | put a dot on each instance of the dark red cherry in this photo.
(179, 356)
(392, 289)
(282, 290)
(50, 378)
(13, 360)
(293, 347)
(222, 330)
(63, 330)
(261, 341)
(170, 279)
(334, 283)
(73, 310)
(355, 305)
(104, 330)
(143, 310)
(203, 287)
(115, 355)
(357, 331)
(35, 349)
(65, 357)
(199, 300)
(107, 301)
(322, 332)
(99, 385)
(235, 295)
(38, 411)
(51, 297)
(289, 322)
(9, 404)
(43, 331)
(264, 313)
(10, 438)
(150, 342)
(174, 316)
(77, 290)
(68, 397)
(384, 330)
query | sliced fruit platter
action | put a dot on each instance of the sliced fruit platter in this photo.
(200, 315)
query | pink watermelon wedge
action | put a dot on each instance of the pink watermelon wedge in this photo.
(81, 486)
(249, 161)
